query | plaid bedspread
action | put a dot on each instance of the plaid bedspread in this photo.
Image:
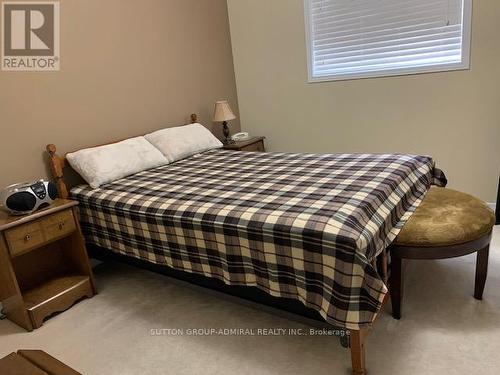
(300, 226)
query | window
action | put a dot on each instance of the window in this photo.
(371, 38)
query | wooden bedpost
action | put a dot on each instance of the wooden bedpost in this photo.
(194, 118)
(357, 340)
(56, 167)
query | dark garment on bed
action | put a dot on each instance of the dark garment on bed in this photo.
(301, 226)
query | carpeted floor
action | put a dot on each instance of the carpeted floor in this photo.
(443, 329)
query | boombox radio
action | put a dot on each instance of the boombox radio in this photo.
(24, 198)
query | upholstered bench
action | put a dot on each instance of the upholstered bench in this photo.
(447, 224)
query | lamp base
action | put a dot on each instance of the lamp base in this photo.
(225, 131)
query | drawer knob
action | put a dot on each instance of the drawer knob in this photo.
(27, 238)
(61, 226)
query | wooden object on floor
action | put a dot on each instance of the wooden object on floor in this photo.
(46, 362)
(33, 362)
(251, 144)
(14, 364)
(447, 224)
(44, 267)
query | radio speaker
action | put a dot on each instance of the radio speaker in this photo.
(24, 198)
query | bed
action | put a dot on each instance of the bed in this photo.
(304, 227)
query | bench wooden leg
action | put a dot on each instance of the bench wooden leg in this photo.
(481, 272)
(357, 339)
(396, 286)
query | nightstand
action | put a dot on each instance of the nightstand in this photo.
(44, 267)
(251, 144)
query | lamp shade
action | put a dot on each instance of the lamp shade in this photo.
(223, 112)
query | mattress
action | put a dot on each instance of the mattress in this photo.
(300, 226)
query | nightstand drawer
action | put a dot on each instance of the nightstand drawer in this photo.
(58, 225)
(259, 146)
(24, 238)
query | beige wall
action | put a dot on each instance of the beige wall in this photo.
(453, 116)
(127, 67)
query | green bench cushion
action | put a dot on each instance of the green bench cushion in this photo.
(446, 217)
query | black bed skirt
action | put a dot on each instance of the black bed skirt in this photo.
(246, 292)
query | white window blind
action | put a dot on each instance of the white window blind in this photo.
(368, 38)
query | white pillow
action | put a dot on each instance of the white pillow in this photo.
(183, 141)
(104, 164)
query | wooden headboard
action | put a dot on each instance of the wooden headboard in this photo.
(63, 174)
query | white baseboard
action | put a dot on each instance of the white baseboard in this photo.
(492, 206)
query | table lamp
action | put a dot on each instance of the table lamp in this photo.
(223, 113)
